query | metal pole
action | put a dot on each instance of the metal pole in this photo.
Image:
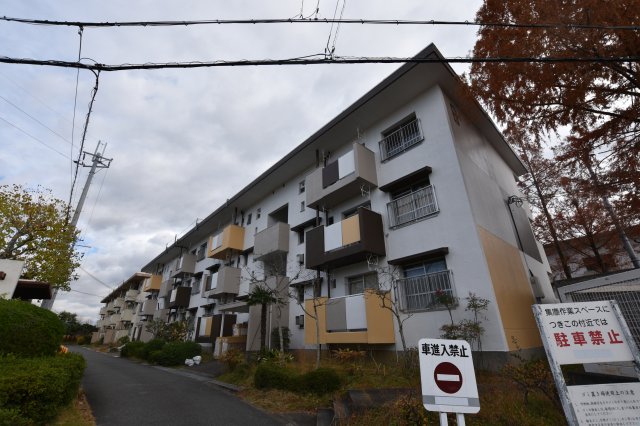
(443, 419)
(460, 419)
(98, 161)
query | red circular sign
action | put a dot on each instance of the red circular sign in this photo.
(448, 378)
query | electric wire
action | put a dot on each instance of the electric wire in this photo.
(96, 278)
(318, 59)
(433, 22)
(35, 119)
(88, 294)
(34, 138)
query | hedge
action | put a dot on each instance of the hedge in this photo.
(33, 390)
(272, 376)
(174, 353)
(133, 349)
(28, 330)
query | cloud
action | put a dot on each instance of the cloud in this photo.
(174, 135)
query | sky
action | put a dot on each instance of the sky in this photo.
(182, 141)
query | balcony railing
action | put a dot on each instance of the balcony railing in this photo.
(230, 240)
(131, 295)
(421, 293)
(185, 265)
(152, 283)
(401, 140)
(224, 282)
(409, 208)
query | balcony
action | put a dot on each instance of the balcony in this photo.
(161, 314)
(359, 318)
(272, 242)
(152, 283)
(118, 303)
(223, 282)
(103, 310)
(126, 315)
(149, 307)
(412, 207)
(186, 265)
(349, 241)
(345, 178)
(400, 140)
(114, 319)
(419, 293)
(222, 245)
(179, 297)
(131, 295)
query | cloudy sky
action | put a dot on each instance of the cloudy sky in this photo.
(177, 136)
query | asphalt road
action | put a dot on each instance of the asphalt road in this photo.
(122, 392)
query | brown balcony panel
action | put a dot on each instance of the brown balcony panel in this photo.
(272, 242)
(179, 297)
(364, 238)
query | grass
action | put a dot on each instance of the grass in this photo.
(502, 401)
(78, 413)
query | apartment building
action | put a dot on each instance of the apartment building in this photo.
(411, 189)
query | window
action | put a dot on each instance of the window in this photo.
(421, 282)
(358, 284)
(258, 212)
(412, 203)
(400, 137)
(353, 211)
(301, 187)
(202, 250)
(301, 206)
(454, 113)
(249, 219)
(195, 286)
(330, 221)
(300, 294)
(301, 236)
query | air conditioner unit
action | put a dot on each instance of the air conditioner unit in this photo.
(300, 258)
(300, 321)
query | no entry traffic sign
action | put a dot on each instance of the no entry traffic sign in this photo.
(447, 376)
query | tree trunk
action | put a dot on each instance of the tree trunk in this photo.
(626, 244)
(263, 326)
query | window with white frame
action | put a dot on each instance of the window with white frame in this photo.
(423, 282)
(358, 284)
(400, 137)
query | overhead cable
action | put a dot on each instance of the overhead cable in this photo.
(319, 21)
(317, 60)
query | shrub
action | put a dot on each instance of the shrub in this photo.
(152, 346)
(174, 353)
(132, 349)
(320, 381)
(33, 390)
(28, 330)
(233, 358)
(273, 376)
(123, 340)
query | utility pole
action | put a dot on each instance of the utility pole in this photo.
(98, 161)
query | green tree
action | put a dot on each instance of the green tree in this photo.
(34, 228)
(263, 296)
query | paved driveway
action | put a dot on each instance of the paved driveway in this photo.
(122, 392)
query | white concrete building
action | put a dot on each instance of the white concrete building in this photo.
(413, 179)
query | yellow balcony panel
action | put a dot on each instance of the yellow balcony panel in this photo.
(229, 240)
(374, 323)
(152, 283)
(350, 230)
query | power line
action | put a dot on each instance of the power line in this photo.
(316, 20)
(318, 59)
(33, 137)
(88, 294)
(97, 279)
(34, 119)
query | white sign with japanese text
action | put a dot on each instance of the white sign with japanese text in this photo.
(582, 333)
(447, 376)
(612, 404)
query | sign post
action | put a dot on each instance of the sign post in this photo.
(590, 332)
(448, 378)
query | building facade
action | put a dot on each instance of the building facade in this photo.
(407, 195)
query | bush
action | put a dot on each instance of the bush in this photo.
(150, 347)
(273, 376)
(233, 358)
(123, 340)
(320, 381)
(132, 349)
(174, 353)
(33, 390)
(28, 330)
